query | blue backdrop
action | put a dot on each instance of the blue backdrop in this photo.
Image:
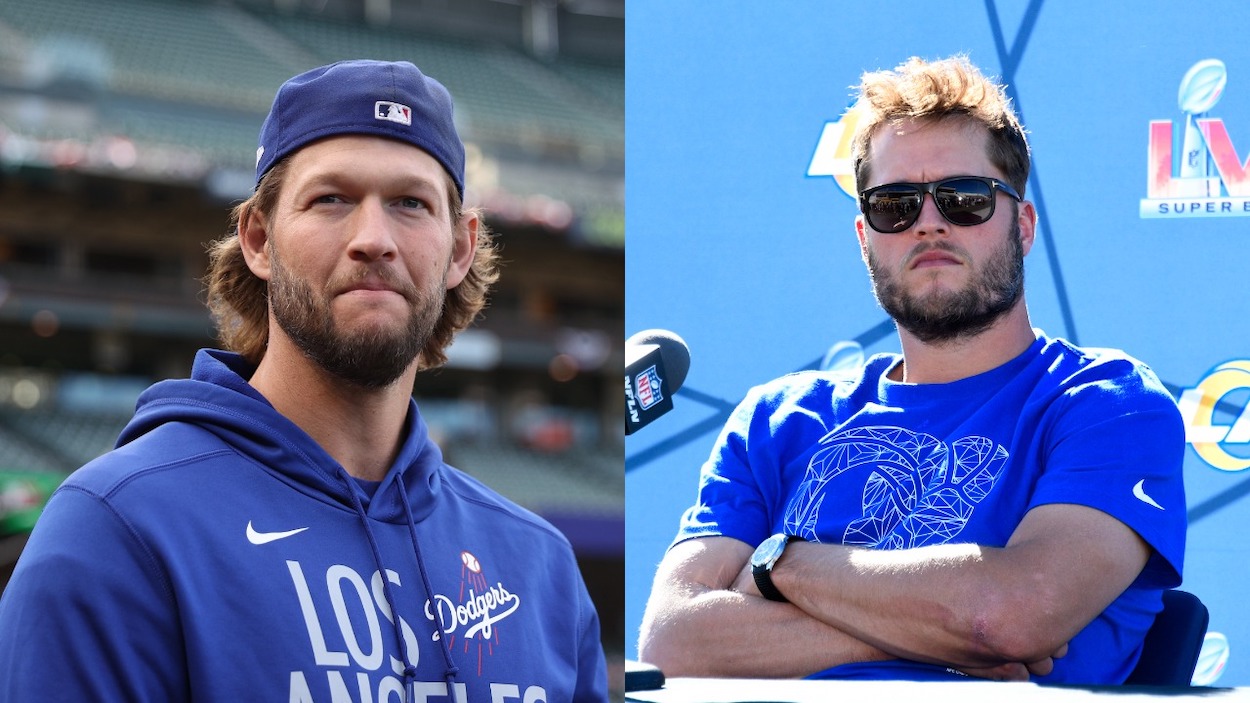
(740, 241)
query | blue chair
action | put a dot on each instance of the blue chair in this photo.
(1173, 642)
(640, 676)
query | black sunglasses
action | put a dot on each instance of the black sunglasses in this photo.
(962, 200)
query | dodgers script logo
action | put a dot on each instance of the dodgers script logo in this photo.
(1223, 388)
(472, 615)
(1205, 177)
(648, 385)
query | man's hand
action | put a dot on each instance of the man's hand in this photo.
(1016, 671)
(1046, 665)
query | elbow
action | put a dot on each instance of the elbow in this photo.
(1017, 627)
(657, 648)
(656, 654)
(662, 645)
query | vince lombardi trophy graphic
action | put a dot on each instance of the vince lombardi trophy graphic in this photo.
(1200, 91)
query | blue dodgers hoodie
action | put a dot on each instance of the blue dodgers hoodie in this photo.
(219, 554)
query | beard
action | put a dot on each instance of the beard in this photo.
(370, 358)
(948, 315)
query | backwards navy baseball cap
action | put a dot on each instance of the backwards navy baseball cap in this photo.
(378, 98)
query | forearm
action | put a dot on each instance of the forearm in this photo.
(703, 620)
(935, 604)
(966, 605)
(727, 633)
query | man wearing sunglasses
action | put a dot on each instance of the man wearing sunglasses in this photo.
(992, 502)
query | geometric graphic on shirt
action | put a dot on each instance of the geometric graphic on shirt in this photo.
(471, 618)
(918, 490)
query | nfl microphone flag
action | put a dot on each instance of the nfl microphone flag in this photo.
(656, 362)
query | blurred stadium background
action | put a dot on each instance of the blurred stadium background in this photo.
(128, 128)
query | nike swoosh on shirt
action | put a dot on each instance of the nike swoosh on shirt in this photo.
(1140, 494)
(266, 537)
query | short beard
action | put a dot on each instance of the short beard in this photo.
(371, 359)
(964, 313)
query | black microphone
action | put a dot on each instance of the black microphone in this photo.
(656, 362)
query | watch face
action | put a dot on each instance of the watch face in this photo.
(769, 550)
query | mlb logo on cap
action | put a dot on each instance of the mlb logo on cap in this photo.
(648, 385)
(392, 112)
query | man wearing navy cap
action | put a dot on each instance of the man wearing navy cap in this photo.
(280, 526)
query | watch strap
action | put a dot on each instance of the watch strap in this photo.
(764, 581)
(763, 575)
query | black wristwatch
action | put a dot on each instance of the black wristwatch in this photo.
(762, 562)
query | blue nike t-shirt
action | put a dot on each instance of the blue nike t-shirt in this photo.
(862, 460)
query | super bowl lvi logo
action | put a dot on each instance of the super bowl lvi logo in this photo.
(1196, 172)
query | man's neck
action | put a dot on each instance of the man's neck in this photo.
(963, 357)
(360, 428)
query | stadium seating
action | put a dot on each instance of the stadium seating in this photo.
(543, 482)
(503, 94)
(580, 477)
(18, 452)
(226, 58)
(171, 50)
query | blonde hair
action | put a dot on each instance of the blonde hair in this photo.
(239, 300)
(934, 91)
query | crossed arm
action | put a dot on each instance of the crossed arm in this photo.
(992, 612)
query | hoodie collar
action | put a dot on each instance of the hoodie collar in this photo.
(219, 399)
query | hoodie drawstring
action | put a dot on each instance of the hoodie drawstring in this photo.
(452, 669)
(410, 670)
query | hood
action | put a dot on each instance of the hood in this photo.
(218, 399)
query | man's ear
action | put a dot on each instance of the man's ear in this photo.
(253, 238)
(1026, 217)
(464, 248)
(862, 235)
